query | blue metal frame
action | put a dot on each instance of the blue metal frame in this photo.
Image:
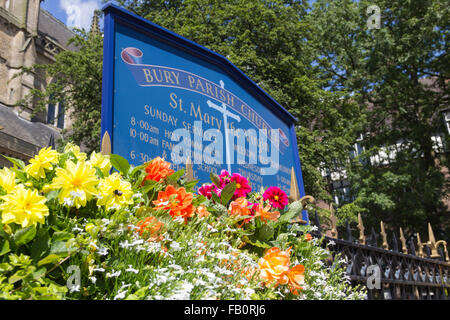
(115, 14)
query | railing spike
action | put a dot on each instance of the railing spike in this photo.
(317, 222)
(349, 231)
(394, 242)
(333, 219)
(362, 237)
(412, 247)
(189, 172)
(294, 193)
(420, 252)
(384, 236)
(373, 237)
(403, 241)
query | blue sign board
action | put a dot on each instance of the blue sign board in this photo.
(164, 95)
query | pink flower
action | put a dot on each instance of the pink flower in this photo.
(206, 190)
(242, 185)
(225, 178)
(277, 197)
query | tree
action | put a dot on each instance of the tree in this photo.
(399, 75)
(268, 40)
(75, 78)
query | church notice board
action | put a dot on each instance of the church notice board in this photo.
(164, 95)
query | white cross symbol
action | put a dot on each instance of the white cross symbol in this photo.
(223, 109)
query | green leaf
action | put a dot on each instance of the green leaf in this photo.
(215, 179)
(176, 175)
(4, 248)
(120, 163)
(60, 248)
(52, 195)
(25, 235)
(228, 192)
(21, 274)
(39, 273)
(51, 258)
(191, 184)
(295, 209)
(61, 235)
(265, 232)
(215, 197)
(255, 242)
(40, 244)
(17, 162)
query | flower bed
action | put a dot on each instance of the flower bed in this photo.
(73, 228)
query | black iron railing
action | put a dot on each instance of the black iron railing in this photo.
(392, 274)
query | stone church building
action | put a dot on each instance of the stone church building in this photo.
(28, 35)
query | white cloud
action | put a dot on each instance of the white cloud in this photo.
(79, 12)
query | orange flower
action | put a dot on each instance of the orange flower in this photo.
(202, 211)
(158, 170)
(239, 207)
(150, 227)
(296, 278)
(308, 237)
(274, 266)
(177, 201)
(264, 213)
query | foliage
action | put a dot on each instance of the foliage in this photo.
(100, 241)
(399, 76)
(75, 79)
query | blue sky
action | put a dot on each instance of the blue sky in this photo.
(74, 13)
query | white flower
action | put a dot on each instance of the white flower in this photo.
(120, 295)
(179, 219)
(93, 279)
(114, 274)
(314, 228)
(175, 246)
(74, 288)
(331, 243)
(98, 269)
(68, 202)
(76, 194)
(131, 269)
(77, 229)
(125, 244)
(102, 251)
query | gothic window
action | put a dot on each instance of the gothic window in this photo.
(55, 114)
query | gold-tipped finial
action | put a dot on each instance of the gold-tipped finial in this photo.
(384, 236)
(294, 193)
(333, 219)
(434, 245)
(106, 144)
(403, 240)
(420, 252)
(189, 171)
(362, 237)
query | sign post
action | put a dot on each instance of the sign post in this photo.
(164, 95)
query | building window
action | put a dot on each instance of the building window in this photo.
(6, 5)
(60, 123)
(55, 115)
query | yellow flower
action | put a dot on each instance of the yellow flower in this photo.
(76, 151)
(23, 206)
(77, 183)
(44, 160)
(100, 161)
(114, 192)
(7, 179)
